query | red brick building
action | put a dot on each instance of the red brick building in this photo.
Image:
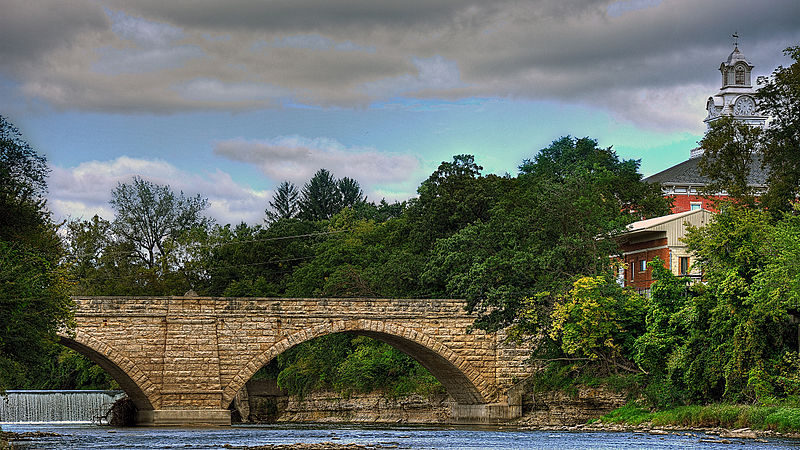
(658, 237)
(684, 184)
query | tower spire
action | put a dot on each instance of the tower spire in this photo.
(735, 36)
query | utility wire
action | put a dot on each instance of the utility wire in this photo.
(222, 244)
(204, 269)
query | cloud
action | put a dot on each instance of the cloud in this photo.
(313, 41)
(216, 91)
(434, 74)
(84, 190)
(621, 7)
(146, 33)
(297, 158)
(113, 61)
(162, 57)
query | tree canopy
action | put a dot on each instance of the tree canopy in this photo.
(150, 217)
(284, 203)
(779, 98)
(34, 301)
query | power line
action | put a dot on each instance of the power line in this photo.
(206, 269)
(222, 244)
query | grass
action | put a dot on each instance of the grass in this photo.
(631, 413)
(777, 418)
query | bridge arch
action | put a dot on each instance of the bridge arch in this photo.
(461, 380)
(133, 381)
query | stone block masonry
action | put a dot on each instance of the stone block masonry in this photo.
(182, 360)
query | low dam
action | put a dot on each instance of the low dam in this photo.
(51, 406)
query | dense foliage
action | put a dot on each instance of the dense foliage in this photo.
(34, 301)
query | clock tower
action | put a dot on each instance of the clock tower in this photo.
(736, 97)
(683, 182)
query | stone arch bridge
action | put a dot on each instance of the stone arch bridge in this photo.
(183, 359)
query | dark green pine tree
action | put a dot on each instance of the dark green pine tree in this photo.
(284, 204)
(351, 192)
(320, 198)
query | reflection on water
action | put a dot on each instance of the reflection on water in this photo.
(94, 437)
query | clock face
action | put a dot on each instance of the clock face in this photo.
(744, 106)
(712, 109)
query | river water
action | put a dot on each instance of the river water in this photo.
(84, 436)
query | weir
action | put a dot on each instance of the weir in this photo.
(40, 406)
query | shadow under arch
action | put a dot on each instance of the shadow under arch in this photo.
(121, 369)
(462, 381)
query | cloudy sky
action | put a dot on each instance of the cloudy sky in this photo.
(229, 98)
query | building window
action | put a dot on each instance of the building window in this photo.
(683, 265)
(632, 271)
(642, 265)
(740, 75)
(695, 206)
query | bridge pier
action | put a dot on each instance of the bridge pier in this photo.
(183, 417)
(489, 413)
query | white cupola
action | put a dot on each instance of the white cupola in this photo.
(736, 97)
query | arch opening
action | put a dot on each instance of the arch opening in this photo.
(463, 383)
(126, 383)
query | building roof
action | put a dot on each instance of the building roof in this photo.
(672, 227)
(648, 224)
(688, 173)
(736, 56)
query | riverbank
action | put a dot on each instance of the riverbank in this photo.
(784, 419)
(703, 434)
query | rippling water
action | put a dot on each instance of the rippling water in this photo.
(95, 437)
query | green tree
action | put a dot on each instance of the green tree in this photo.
(320, 197)
(246, 260)
(351, 192)
(34, 303)
(600, 320)
(741, 331)
(454, 196)
(660, 351)
(544, 229)
(150, 218)
(284, 204)
(730, 148)
(779, 98)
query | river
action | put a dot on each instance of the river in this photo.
(86, 436)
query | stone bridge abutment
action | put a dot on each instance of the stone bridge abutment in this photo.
(182, 360)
